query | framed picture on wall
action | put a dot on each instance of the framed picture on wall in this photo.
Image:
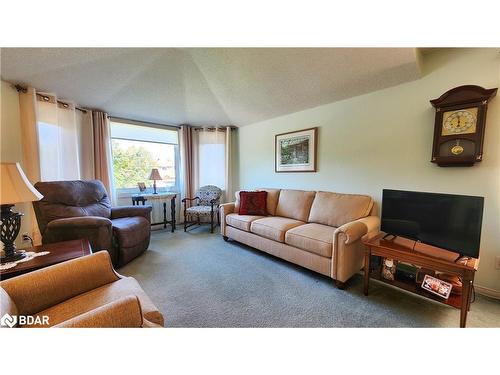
(296, 151)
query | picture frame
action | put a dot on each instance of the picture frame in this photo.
(296, 151)
(436, 286)
(141, 186)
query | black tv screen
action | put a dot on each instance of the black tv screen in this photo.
(452, 222)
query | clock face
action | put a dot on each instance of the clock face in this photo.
(460, 121)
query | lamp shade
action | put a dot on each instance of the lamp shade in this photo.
(15, 186)
(155, 175)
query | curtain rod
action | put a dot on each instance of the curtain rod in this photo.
(139, 122)
(213, 128)
(22, 89)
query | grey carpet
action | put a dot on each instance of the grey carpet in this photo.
(198, 280)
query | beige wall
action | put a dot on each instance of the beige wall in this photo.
(384, 139)
(10, 144)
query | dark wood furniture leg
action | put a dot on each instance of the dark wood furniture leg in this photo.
(466, 293)
(366, 280)
(185, 217)
(340, 284)
(172, 212)
(212, 220)
(164, 215)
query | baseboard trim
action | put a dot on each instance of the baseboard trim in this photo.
(488, 292)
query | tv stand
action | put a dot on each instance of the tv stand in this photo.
(390, 235)
(435, 259)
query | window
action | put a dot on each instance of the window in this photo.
(137, 149)
(212, 157)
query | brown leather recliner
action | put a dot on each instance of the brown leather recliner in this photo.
(81, 209)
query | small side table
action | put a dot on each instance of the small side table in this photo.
(59, 252)
(164, 197)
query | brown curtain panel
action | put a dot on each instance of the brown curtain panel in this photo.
(102, 150)
(187, 157)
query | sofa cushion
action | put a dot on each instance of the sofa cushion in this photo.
(98, 297)
(295, 204)
(336, 209)
(315, 238)
(274, 227)
(253, 203)
(272, 199)
(241, 221)
(237, 200)
(131, 231)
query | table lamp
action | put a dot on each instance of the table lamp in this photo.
(14, 188)
(155, 176)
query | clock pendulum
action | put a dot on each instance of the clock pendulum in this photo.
(457, 149)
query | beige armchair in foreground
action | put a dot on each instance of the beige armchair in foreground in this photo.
(84, 292)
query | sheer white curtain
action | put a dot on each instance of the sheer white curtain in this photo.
(213, 159)
(59, 148)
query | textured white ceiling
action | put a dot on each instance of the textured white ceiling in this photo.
(207, 86)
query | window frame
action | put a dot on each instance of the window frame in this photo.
(128, 192)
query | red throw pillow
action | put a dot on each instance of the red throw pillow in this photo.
(253, 203)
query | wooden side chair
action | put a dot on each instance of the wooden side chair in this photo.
(207, 202)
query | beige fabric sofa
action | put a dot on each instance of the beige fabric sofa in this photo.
(320, 231)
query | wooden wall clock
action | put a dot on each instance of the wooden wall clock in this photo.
(459, 125)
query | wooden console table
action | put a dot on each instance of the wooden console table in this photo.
(426, 256)
(142, 198)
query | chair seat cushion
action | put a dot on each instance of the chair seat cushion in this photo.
(98, 297)
(274, 227)
(131, 231)
(314, 238)
(242, 222)
(200, 210)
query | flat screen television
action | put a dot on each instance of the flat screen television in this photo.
(451, 222)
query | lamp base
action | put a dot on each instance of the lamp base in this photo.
(17, 255)
(9, 229)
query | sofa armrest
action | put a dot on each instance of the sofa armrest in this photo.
(7, 305)
(356, 229)
(224, 210)
(123, 313)
(78, 222)
(129, 211)
(38, 290)
(227, 208)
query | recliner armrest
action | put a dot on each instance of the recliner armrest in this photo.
(356, 229)
(80, 222)
(130, 211)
